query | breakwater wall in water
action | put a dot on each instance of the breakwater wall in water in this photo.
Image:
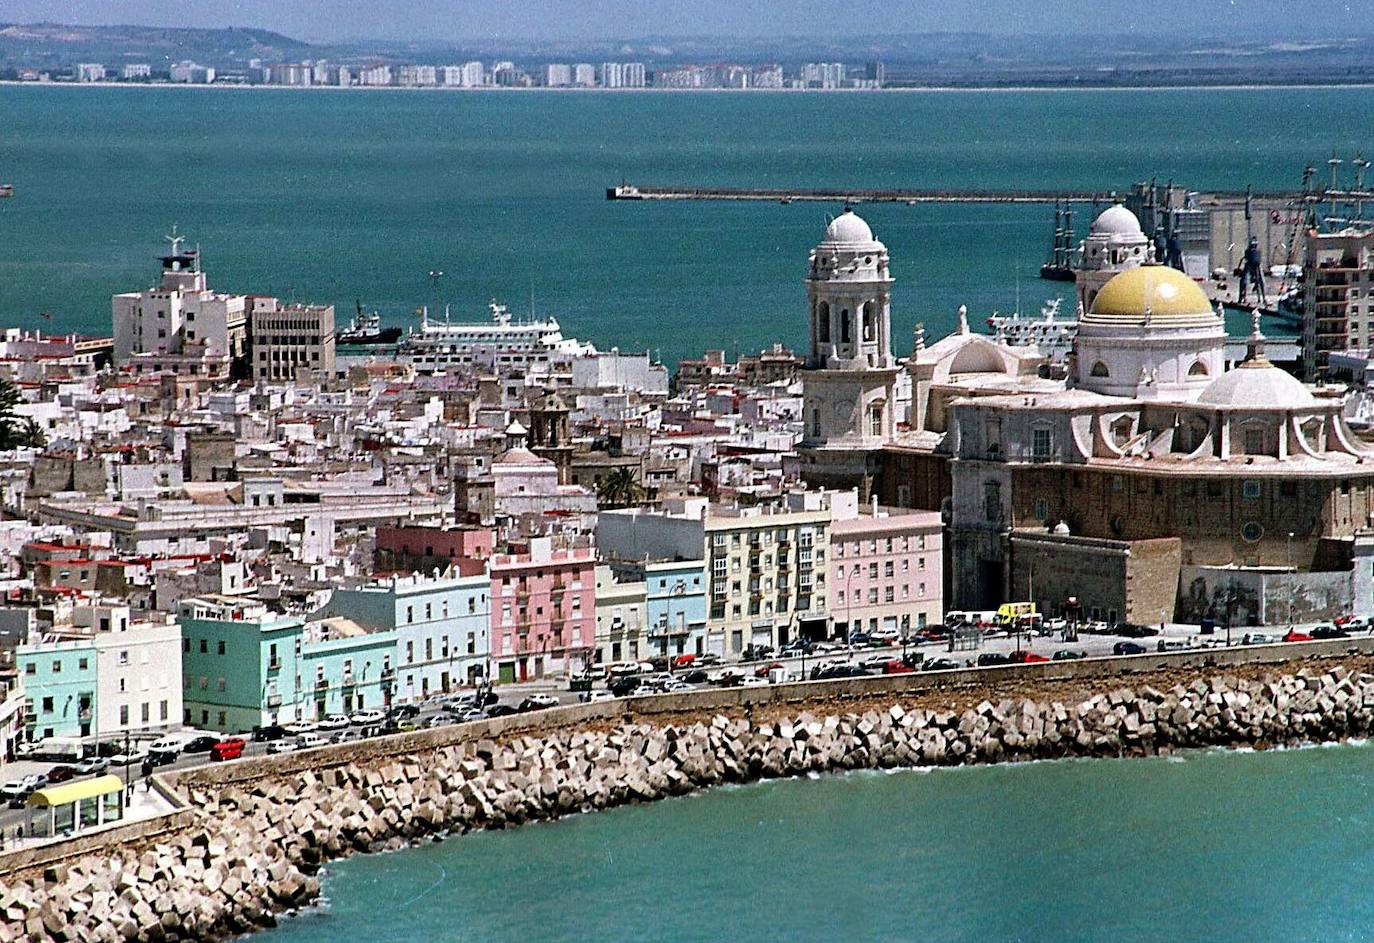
(252, 837)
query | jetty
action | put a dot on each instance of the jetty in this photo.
(627, 191)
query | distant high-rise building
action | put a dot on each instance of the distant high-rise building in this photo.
(188, 71)
(135, 70)
(557, 74)
(473, 76)
(612, 75)
(634, 75)
(584, 74)
(417, 76)
(767, 76)
(379, 74)
(876, 73)
(823, 74)
(90, 72)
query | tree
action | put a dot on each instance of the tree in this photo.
(619, 489)
(11, 430)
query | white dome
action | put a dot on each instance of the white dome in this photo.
(1257, 385)
(1116, 220)
(848, 228)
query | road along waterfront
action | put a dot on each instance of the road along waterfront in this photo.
(260, 830)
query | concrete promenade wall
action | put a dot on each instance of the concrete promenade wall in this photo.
(253, 833)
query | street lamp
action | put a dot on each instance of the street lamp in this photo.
(1291, 589)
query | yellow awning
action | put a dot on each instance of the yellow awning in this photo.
(71, 792)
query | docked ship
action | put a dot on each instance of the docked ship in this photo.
(366, 328)
(1059, 266)
(439, 346)
(1048, 332)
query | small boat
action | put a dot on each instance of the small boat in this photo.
(366, 328)
(6, 190)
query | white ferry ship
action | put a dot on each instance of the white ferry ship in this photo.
(440, 346)
(1053, 336)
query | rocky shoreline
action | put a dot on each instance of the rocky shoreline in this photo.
(256, 847)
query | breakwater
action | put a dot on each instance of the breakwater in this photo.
(254, 836)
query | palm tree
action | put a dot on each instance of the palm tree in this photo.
(31, 434)
(10, 431)
(619, 489)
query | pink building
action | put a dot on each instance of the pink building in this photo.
(887, 572)
(425, 548)
(543, 611)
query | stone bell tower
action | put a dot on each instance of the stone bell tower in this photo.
(849, 380)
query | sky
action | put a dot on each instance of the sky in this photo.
(592, 20)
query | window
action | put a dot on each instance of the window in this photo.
(1254, 441)
(204, 646)
(219, 684)
(124, 658)
(145, 712)
(1100, 370)
(823, 322)
(1250, 488)
(220, 645)
(124, 715)
(83, 663)
(845, 329)
(869, 322)
(875, 419)
(1198, 369)
(57, 667)
(47, 705)
(1040, 443)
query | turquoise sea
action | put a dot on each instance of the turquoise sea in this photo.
(344, 196)
(1214, 847)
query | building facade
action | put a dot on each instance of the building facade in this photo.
(291, 343)
(887, 572)
(543, 611)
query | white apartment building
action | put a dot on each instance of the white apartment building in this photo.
(135, 70)
(557, 74)
(379, 74)
(180, 316)
(584, 74)
(138, 670)
(90, 72)
(612, 75)
(291, 342)
(634, 75)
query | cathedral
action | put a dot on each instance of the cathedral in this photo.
(1151, 483)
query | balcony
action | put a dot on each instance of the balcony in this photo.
(85, 715)
(274, 700)
(274, 664)
(388, 673)
(348, 681)
(321, 684)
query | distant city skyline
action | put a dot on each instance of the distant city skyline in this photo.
(605, 20)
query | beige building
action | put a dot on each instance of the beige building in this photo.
(1338, 305)
(620, 619)
(291, 342)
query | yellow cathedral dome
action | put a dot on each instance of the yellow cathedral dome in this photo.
(1152, 294)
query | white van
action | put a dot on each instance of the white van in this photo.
(166, 745)
(308, 741)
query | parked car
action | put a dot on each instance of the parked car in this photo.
(1256, 638)
(13, 788)
(991, 659)
(334, 722)
(1132, 630)
(939, 664)
(1128, 648)
(199, 744)
(367, 717)
(706, 659)
(1330, 631)
(876, 662)
(501, 710)
(404, 711)
(1068, 654)
(624, 687)
(302, 726)
(441, 720)
(538, 702)
(282, 746)
(61, 773)
(753, 681)
(762, 670)
(600, 694)
(344, 736)
(269, 733)
(93, 764)
(307, 741)
(833, 672)
(471, 714)
(1026, 657)
(230, 748)
(1173, 645)
(696, 676)
(684, 661)
(1294, 635)
(897, 667)
(158, 758)
(136, 754)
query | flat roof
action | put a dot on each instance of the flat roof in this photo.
(73, 792)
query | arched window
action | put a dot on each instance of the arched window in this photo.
(845, 329)
(823, 322)
(875, 419)
(1198, 369)
(816, 423)
(1100, 370)
(870, 328)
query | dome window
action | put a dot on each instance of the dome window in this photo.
(1100, 370)
(1198, 369)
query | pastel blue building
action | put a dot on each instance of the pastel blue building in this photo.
(59, 680)
(675, 607)
(442, 627)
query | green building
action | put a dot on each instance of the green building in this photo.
(245, 666)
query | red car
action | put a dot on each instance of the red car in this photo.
(897, 667)
(684, 661)
(1295, 636)
(1026, 657)
(231, 748)
(60, 774)
(762, 670)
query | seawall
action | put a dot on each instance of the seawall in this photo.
(252, 834)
